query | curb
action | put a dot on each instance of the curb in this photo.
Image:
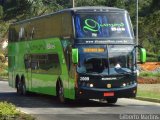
(19, 109)
(148, 99)
(3, 79)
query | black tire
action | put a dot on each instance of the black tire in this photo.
(23, 87)
(112, 100)
(60, 92)
(19, 87)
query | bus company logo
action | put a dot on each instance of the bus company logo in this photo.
(84, 79)
(109, 78)
(50, 46)
(95, 26)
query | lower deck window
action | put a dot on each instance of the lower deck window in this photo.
(47, 63)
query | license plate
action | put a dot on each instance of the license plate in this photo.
(108, 94)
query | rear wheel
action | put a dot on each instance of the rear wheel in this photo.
(24, 92)
(19, 87)
(60, 92)
(112, 100)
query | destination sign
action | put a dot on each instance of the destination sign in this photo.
(93, 49)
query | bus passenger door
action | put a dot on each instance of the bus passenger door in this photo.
(27, 62)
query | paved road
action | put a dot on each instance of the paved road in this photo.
(47, 107)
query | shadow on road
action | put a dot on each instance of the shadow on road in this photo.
(44, 101)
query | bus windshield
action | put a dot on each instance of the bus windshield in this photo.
(112, 25)
(119, 60)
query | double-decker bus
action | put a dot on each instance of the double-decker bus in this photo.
(76, 53)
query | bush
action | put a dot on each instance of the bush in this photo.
(3, 66)
(149, 54)
(4, 73)
(159, 58)
(151, 57)
(7, 109)
(9, 112)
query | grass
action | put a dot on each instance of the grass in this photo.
(149, 74)
(9, 112)
(148, 94)
(149, 91)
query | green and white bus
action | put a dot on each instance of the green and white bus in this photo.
(76, 53)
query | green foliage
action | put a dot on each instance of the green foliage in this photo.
(149, 54)
(16, 9)
(1, 12)
(149, 74)
(149, 31)
(152, 57)
(7, 109)
(79, 3)
(9, 112)
(2, 66)
(149, 15)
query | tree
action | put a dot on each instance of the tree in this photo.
(149, 15)
(16, 9)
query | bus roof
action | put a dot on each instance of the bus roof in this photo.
(76, 9)
(94, 8)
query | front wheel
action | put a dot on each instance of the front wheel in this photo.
(112, 100)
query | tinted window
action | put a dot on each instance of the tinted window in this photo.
(121, 58)
(12, 35)
(115, 59)
(48, 63)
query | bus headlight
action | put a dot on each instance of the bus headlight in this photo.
(91, 85)
(124, 84)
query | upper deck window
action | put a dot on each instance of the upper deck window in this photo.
(114, 25)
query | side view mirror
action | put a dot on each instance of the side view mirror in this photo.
(142, 55)
(75, 55)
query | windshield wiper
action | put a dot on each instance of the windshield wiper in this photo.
(126, 73)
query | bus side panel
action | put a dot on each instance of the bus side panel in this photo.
(64, 71)
(11, 63)
(72, 75)
(67, 48)
(11, 74)
(43, 82)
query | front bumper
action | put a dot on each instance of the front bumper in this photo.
(98, 93)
